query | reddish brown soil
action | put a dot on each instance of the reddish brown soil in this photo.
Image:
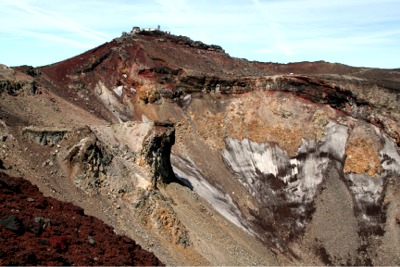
(38, 230)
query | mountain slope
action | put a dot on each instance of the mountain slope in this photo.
(215, 160)
(38, 230)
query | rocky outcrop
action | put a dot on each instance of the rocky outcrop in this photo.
(157, 151)
(44, 137)
(87, 160)
(9, 87)
(180, 40)
(14, 87)
(82, 152)
(13, 82)
(155, 212)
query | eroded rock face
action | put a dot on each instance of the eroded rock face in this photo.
(123, 165)
(154, 211)
(86, 160)
(285, 187)
(157, 151)
(44, 136)
(288, 190)
(14, 83)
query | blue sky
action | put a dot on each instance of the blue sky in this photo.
(354, 32)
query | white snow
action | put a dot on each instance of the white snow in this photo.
(219, 200)
(334, 141)
(118, 90)
(258, 165)
(111, 102)
(249, 159)
(389, 156)
(365, 188)
(368, 190)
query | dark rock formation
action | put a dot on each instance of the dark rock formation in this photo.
(10, 87)
(157, 151)
(44, 136)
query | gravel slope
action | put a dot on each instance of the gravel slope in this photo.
(38, 230)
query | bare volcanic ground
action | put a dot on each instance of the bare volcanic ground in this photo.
(38, 230)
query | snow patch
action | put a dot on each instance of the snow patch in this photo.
(188, 173)
(118, 90)
(276, 180)
(248, 160)
(258, 165)
(366, 189)
(334, 141)
(187, 99)
(389, 155)
(111, 102)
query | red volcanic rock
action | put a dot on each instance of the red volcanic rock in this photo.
(38, 230)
